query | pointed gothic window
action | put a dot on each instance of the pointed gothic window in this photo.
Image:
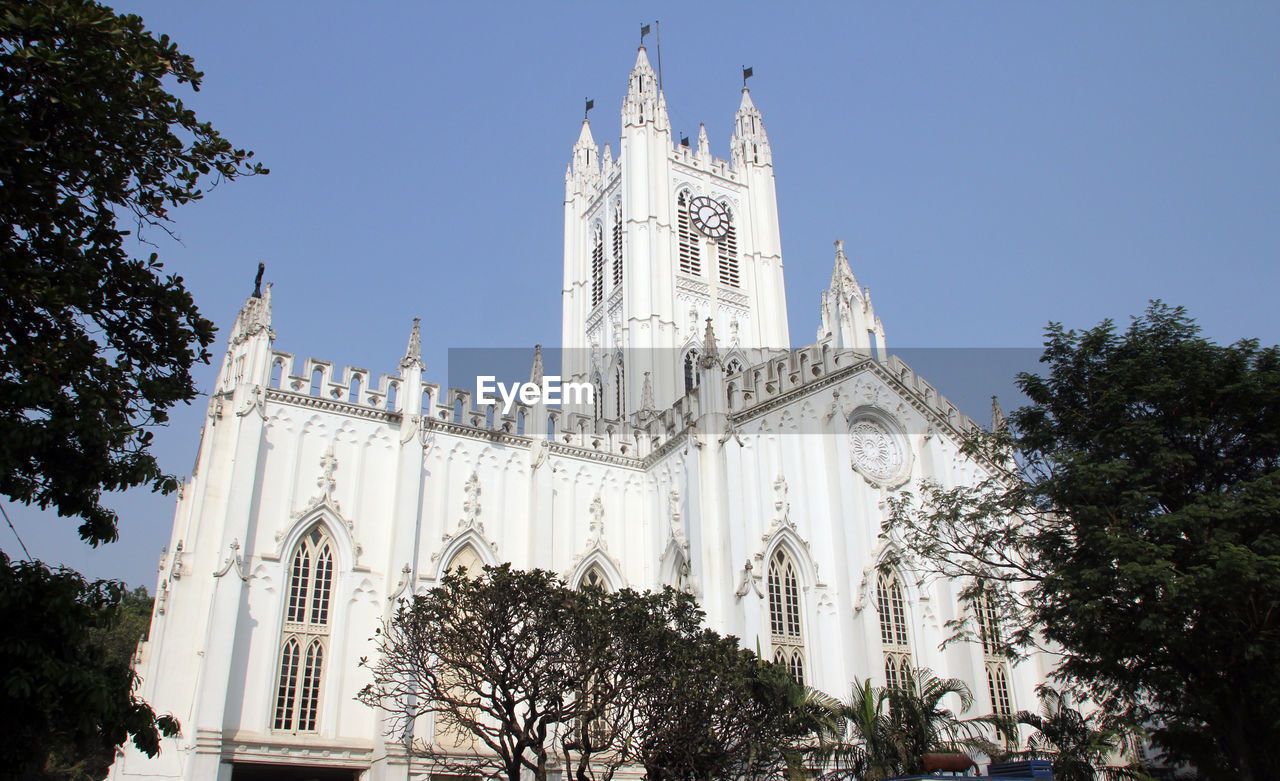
(728, 256)
(988, 616)
(690, 253)
(988, 622)
(894, 638)
(617, 245)
(305, 635)
(619, 396)
(466, 561)
(597, 266)
(1001, 702)
(784, 614)
(595, 578)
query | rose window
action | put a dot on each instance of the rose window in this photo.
(876, 452)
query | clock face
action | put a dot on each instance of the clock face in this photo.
(709, 217)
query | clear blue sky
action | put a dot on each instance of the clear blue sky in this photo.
(992, 166)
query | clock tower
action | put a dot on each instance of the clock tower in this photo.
(658, 241)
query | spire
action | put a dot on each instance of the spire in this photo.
(842, 277)
(255, 315)
(413, 353)
(704, 146)
(646, 395)
(535, 376)
(998, 422)
(847, 315)
(644, 103)
(750, 144)
(584, 152)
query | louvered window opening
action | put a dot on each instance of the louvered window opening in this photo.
(597, 268)
(617, 246)
(690, 254)
(728, 255)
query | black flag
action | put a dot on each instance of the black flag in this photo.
(590, 105)
(644, 30)
(746, 74)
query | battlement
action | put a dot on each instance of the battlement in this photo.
(756, 387)
(750, 391)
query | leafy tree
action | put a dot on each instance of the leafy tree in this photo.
(489, 658)
(1080, 745)
(530, 672)
(1133, 524)
(67, 693)
(97, 345)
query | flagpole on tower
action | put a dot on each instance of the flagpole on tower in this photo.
(657, 29)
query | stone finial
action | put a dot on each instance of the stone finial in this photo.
(710, 355)
(535, 376)
(704, 145)
(998, 421)
(413, 353)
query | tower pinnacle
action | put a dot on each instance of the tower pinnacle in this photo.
(644, 102)
(750, 144)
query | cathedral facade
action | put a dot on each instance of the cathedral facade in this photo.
(709, 455)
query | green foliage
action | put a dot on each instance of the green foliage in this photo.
(1080, 745)
(886, 731)
(97, 345)
(535, 673)
(1137, 530)
(67, 690)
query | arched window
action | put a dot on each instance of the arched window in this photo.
(597, 398)
(391, 398)
(1001, 702)
(690, 371)
(984, 607)
(617, 244)
(784, 614)
(728, 257)
(894, 637)
(317, 377)
(733, 367)
(988, 622)
(619, 397)
(597, 266)
(595, 578)
(305, 635)
(690, 252)
(277, 374)
(354, 394)
(467, 562)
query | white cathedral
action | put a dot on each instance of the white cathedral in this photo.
(712, 457)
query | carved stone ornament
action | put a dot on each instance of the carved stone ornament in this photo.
(596, 543)
(234, 559)
(878, 453)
